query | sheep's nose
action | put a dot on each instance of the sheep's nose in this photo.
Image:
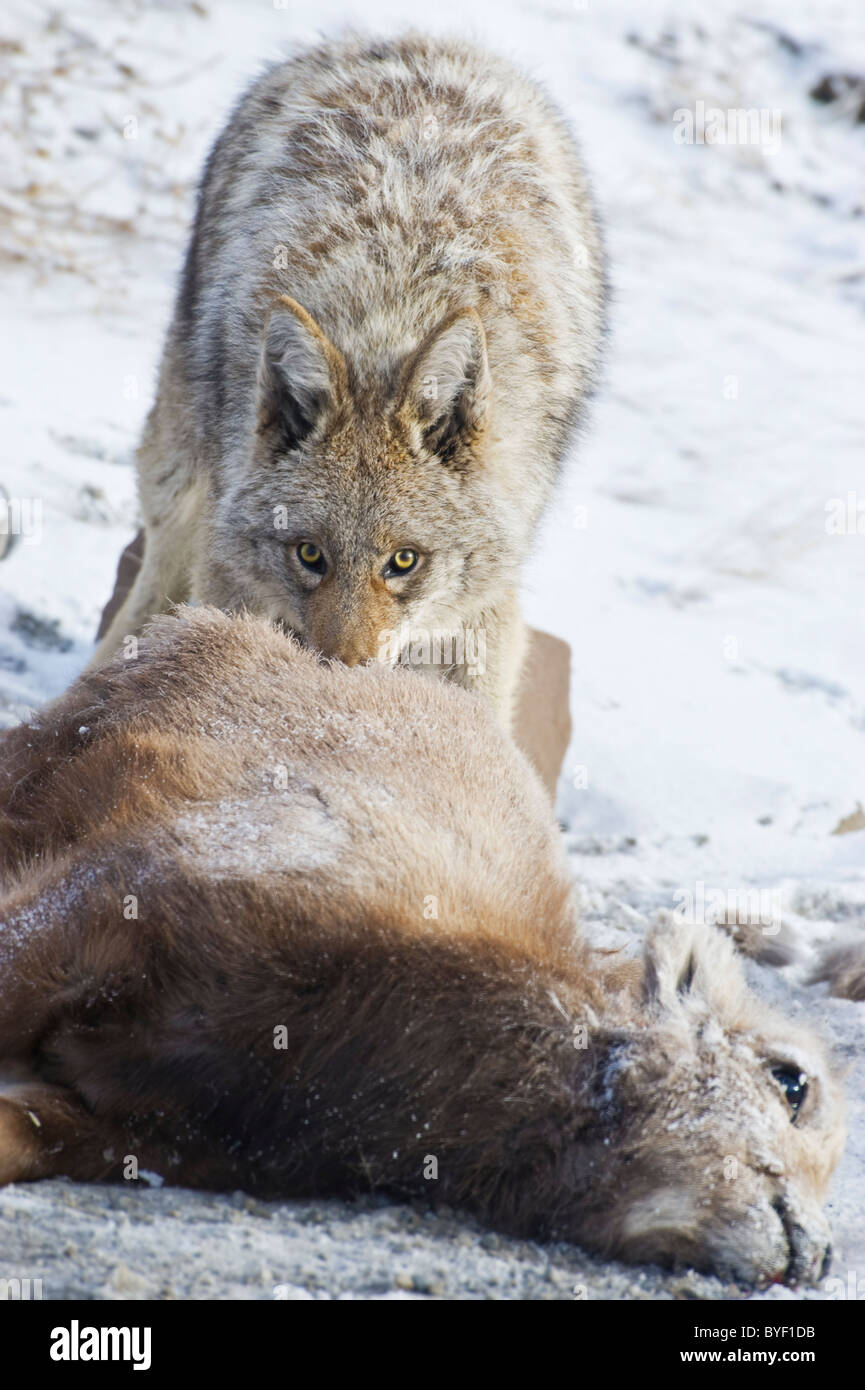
(809, 1244)
(809, 1258)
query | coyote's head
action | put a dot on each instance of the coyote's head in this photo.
(366, 507)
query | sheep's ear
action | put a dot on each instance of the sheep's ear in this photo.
(302, 376)
(686, 962)
(445, 394)
(670, 964)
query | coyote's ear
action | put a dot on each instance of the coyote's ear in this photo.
(446, 386)
(301, 375)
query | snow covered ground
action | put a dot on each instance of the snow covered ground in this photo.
(702, 560)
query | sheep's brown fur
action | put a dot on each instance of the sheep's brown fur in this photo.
(274, 924)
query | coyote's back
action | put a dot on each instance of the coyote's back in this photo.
(386, 186)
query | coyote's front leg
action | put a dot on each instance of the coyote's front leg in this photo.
(173, 500)
(162, 581)
(494, 649)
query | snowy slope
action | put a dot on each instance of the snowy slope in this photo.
(715, 622)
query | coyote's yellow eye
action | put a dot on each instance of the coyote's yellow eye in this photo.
(310, 555)
(403, 561)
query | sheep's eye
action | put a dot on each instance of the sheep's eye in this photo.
(794, 1084)
(402, 562)
(310, 557)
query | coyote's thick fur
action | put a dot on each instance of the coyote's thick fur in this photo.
(387, 327)
(281, 925)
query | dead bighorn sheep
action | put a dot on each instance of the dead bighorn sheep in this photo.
(301, 929)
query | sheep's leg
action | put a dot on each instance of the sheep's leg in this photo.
(45, 1131)
(842, 967)
(51, 964)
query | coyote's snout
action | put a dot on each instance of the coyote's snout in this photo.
(388, 326)
(256, 933)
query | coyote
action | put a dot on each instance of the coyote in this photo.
(387, 327)
(256, 933)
